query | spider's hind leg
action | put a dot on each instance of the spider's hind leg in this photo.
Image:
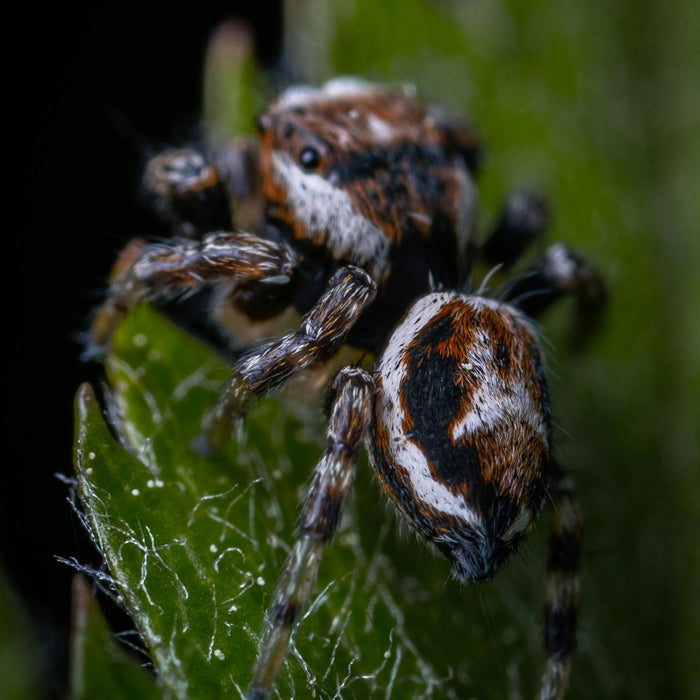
(561, 603)
(558, 272)
(333, 476)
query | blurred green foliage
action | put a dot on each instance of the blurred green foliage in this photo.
(597, 105)
(100, 665)
(20, 676)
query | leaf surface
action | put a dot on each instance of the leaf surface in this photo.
(196, 545)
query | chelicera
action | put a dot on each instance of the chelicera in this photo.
(368, 230)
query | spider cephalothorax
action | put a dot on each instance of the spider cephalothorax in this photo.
(358, 174)
(368, 224)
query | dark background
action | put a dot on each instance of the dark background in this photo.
(95, 91)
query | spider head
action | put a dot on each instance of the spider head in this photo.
(340, 169)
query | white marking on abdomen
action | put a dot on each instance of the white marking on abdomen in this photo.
(406, 453)
(494, 400)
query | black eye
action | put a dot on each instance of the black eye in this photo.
(310, 159)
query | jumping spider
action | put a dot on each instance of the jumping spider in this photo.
(369, 219)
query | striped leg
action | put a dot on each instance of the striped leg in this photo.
(524, 218)
(146, 271)
(188, 192)
(559, 272)
(562, 588)
(320, 336)
(320, 517)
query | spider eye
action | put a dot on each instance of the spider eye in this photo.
(310, 159)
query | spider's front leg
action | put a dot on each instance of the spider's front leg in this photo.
(147, 271)
(320, 336)
(187, 191)
(333, 476)
(562, 586)
(196, 193)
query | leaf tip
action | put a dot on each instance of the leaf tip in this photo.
(85, 400)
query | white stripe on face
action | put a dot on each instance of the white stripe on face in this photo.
(328, 214)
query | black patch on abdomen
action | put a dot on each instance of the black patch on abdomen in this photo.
(433, 399)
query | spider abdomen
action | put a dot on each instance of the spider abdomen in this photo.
(460, 435)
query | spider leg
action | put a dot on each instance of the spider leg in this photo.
(320, 517)
(523, 219)
(146, 271)
(562, 271)
(187, 191)
(196, 194)
(562, 587)
(322, 332)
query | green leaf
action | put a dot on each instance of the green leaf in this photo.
(196, 546)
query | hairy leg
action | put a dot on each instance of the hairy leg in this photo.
(559, 272)
(523, 219)
(146, 271)
(320, 336)
(561, 604)
(333, 476)
(197, 194)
